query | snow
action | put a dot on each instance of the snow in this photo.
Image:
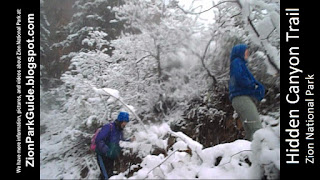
(96, 38)
(90, 120)
(113, 21)
(115, 94)
(145, 140)
(265, 27)
(240, 159)
(266, 147)
(185, 159)
(275, 20)
(60, 156)
(90, 95)
(131, 108)
(245, 4)
(182, 165)
(232, 164)
(193, 145)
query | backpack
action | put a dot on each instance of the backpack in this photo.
(93, 138)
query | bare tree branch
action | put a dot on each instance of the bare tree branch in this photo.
(253, 27)
(139, 60)
(234, 155)
(120, 100)
(203, 57)
(261, 40)
(197, 13)
(160, 163)
(269, 34)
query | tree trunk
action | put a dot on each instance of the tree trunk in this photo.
(159, 63)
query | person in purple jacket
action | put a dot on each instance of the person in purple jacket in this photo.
(107, 144)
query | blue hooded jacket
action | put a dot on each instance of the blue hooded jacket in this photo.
(241, 80)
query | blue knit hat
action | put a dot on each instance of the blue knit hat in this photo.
(123, 117)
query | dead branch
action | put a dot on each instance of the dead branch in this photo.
(251, 25)
(161, 163)
(193, 13)
(138, 118)
(261, 42)
(234, 155)
(184, 140)
(202, 59)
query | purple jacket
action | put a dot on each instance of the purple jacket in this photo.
(108, 138)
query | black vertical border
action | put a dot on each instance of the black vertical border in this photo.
(308, 53)
(26, 7)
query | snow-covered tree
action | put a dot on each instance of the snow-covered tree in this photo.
(93, 15)
(161, 61)
(160, 29)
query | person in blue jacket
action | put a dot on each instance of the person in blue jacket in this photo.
(107, 144)
(244, 90)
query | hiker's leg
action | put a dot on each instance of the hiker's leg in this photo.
(102, 165)
(109, 166)
(249, 115)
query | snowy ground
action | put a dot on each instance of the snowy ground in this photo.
(61, 157)
(240, 159)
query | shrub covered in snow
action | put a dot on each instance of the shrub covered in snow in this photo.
(164, 65)
(186, 158)
(266, 148)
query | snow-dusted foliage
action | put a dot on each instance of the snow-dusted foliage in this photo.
(181, 158)
(266, 148)
(262, 19)
(186, 158)
(168, 66)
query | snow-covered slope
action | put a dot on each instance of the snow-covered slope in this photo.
(186, 159)
(63, 157)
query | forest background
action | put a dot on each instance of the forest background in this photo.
(165, 61)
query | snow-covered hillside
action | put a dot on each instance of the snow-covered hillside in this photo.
(186, 158)
(168, 66)
(181, 157)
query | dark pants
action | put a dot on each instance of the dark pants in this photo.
(106, 166)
